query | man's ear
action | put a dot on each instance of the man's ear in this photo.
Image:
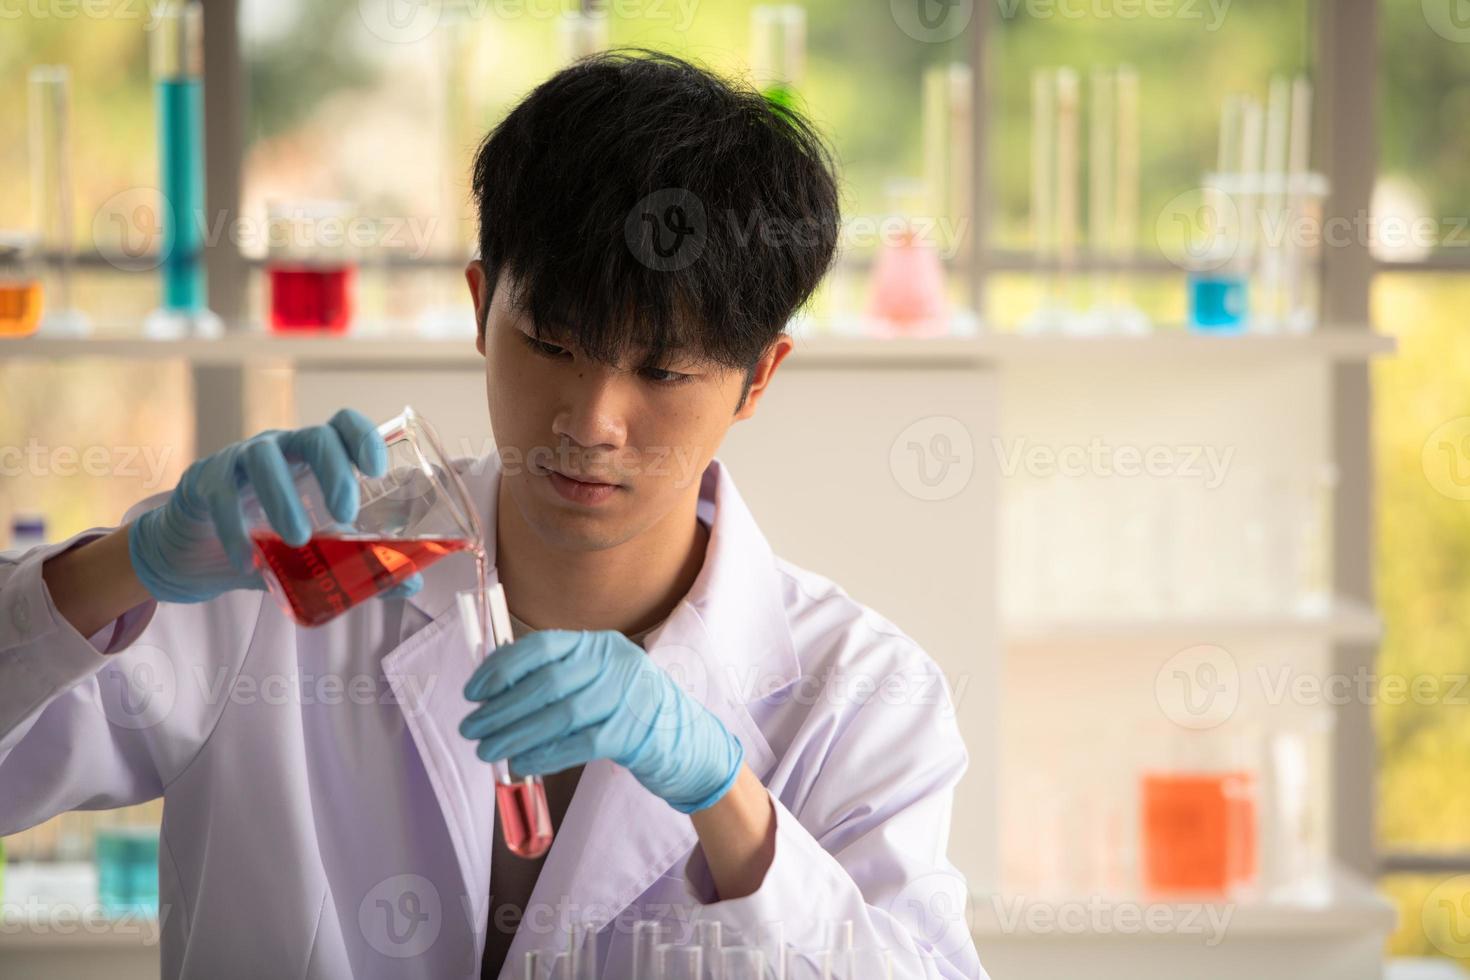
(765, 369)
(474, 274)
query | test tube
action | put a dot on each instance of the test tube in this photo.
(710, 937)
(948, 149)
(544, 965)
(648, 936)
(51, 194)
(778, 50)
(525, 819)
(584, 951)
(770, 938)
(581, 34)
(742, 963)
(678, 962)
(178, 78)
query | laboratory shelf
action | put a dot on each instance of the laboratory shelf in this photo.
(1346, 621)
(385, 349)
(1350, 906)
(69, 929)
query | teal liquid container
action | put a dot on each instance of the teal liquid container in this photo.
(1219, 302)
(127, 870)
(180, 105)
(177, 56)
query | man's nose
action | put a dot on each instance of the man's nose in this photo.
(595, 410)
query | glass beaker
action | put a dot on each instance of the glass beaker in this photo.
(310, 273)
(416, 513)
(1199, 818)
(20, 285)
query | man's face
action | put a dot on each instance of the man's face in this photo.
(596, 454)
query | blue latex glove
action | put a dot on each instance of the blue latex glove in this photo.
(195, 545)
(555, 699)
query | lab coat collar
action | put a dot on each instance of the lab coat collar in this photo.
(727, 643)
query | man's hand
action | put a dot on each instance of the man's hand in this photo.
(195, 545)
(558, 698)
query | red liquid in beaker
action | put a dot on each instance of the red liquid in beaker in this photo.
(332, 573)
(525, 820)
(311, 297)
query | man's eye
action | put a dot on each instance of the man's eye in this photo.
(662, 377)
(542, 347)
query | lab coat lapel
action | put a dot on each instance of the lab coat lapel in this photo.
(727, 643)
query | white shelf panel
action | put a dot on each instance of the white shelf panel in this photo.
(811, 351)
(1351, 907)
(1347, 621)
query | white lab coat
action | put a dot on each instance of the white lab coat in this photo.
(324, 818)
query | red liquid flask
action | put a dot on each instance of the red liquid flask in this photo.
(311, 297)
(332, 573)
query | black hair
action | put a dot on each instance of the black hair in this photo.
(640, 202)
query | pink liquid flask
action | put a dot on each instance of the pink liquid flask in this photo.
(525, 818)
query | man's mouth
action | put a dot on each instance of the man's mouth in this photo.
(590, 481)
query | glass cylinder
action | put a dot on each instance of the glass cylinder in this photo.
(581, 34)
(52, 202)
(177, 56)
(1298, 825)
(21, 292)
(948, 135)
(778, 50)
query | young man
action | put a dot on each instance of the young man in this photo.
(646, 232)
